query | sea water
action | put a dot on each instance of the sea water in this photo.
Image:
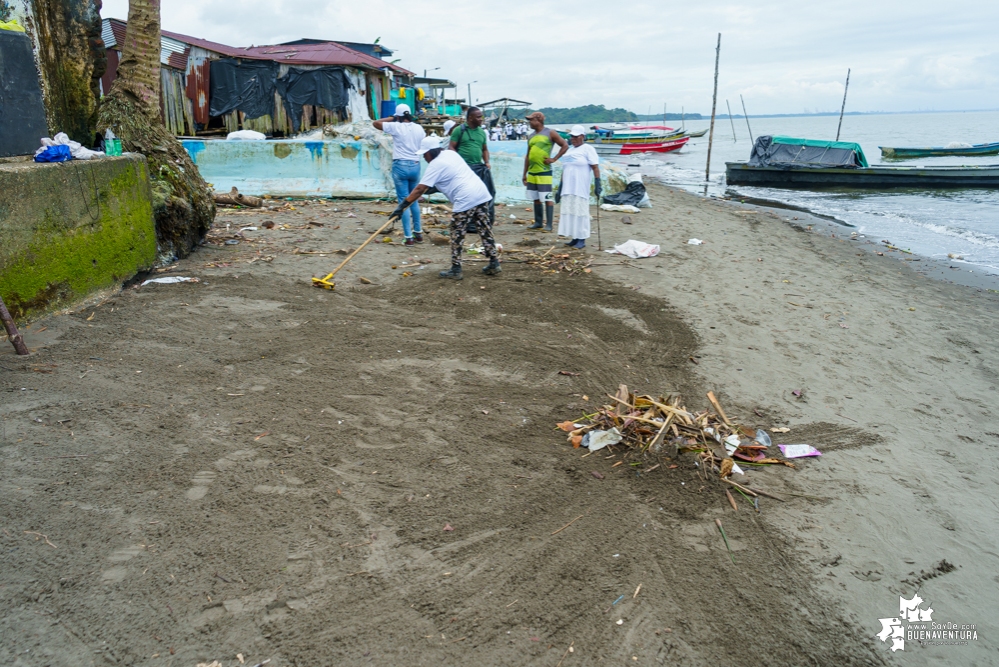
(932, 223)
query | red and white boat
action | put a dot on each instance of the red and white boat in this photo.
(639, 146)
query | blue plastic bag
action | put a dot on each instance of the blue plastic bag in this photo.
(58, 153)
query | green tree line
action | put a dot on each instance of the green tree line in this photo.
(592, 113)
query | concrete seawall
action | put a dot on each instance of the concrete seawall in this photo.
(297, 168)
(70, 228)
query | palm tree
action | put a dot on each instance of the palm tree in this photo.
(182, 202)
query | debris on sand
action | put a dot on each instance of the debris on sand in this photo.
(557, 262)
(647, 426)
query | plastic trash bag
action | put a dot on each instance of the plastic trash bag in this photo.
(246, 135)
(595, 440)
(75, 149)
(633, 195)
(635, 249)
(58, 153)
(625, 208)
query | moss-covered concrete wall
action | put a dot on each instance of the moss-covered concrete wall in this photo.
(70, 228)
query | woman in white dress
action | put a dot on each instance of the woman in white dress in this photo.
(574, 190)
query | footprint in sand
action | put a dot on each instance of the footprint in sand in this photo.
(201, 482)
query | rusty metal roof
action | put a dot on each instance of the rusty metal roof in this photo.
(325, 53)
(173, 52)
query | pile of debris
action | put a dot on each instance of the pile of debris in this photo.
(557, 263)
(664, 427)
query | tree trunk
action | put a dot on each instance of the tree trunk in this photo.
(182, 201)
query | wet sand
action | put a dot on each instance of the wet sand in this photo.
(251, 465)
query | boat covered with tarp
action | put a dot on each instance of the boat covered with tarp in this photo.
(955, 148)
(787, 162)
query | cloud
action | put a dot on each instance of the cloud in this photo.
(781, 55)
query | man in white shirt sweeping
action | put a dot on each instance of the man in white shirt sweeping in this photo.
(447, 172)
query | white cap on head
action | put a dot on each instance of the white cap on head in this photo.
(448, 124)
(428, 144)
(577, 131)
(402, 109)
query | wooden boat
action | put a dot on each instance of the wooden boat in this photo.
(607, 148)
(785, 162)
(938, 151)
(877, 178)
(619, 134)
(699, 133)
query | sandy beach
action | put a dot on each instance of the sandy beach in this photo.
(249, 465)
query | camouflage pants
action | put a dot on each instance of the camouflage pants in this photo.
(459, 223)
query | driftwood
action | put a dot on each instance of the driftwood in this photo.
(234, 198)
(15, 338)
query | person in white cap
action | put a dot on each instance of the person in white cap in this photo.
(574, 190)
(448, 126)
(406, 138)
(450, 175)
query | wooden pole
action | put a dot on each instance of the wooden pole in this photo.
(731, 120)
(843, 108)
(664, 114)
(600, 245)
(15, 338)
(747, 119)
(683, 119)
(714, 105)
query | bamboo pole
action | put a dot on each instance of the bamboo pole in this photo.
(731, 120)
(747, 119)
(12, 333)
(843, 108)
(600, 244)
(714, 104)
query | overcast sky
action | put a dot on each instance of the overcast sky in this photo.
(783, 56)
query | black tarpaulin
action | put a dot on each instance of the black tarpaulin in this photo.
(632, 195)
(242, 85)
(22, 115)
(324, 87)
(786, 152)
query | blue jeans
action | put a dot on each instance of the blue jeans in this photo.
(406, 174)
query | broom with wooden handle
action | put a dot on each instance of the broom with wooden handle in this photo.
(327, 281)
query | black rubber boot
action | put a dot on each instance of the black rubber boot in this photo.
(549, 216)
(454, 272)
(539, 220)
(493, 269)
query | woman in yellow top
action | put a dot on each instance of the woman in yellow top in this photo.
(538, 170)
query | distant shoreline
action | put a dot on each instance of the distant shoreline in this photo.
(823, 113)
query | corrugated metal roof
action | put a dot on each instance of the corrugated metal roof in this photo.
(173, 52)
(113, 33)
(327, 53)
(224, 49)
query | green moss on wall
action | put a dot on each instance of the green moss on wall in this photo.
(69, 229)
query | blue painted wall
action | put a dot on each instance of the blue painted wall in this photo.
(296, 168)
(291, 168)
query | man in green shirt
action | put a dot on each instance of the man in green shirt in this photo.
(471, 142)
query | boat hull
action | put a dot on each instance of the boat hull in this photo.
(938, 151)
(874, 178)
(650, 147)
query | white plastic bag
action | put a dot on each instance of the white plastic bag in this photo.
(595, 440)
(635, 249)
(246, 135)
(75, 149)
